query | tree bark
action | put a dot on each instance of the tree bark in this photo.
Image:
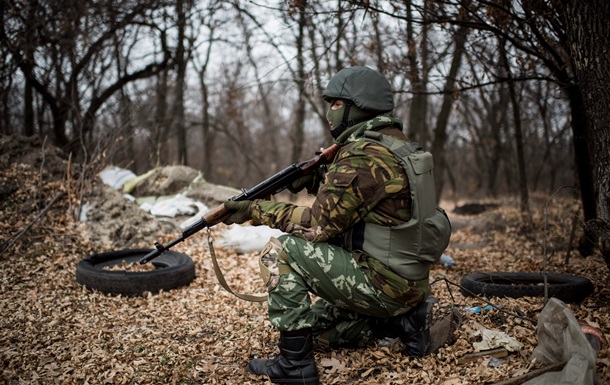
(582, 156)
(440, 132)
(160, 131)
(588, 34)
(523, 191)
(417, 128)
(299, 116)
(181, 62)
(29, 47)
(338, 53)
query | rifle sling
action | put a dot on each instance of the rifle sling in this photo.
(221, 278)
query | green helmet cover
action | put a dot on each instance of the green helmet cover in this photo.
(365, 87)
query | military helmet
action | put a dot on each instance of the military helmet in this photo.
(365, 87)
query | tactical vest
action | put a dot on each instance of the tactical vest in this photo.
(410, 248)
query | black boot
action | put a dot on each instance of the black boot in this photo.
(294, 365)
(419, 331)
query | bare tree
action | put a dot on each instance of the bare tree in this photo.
(299, 116)
(440, 131)
(588, 38)
(417, 125)
(523, 191)
(552, 140)
(183, 53)
(209, 20)
(537, 29)
(70, 54)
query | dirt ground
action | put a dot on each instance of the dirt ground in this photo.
(55, 331)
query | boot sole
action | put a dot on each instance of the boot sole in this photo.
(442, 331)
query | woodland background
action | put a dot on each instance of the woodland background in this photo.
(510, 96)
(507, 95)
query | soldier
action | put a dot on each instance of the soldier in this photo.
(364, 247)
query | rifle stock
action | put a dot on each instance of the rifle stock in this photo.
(271, 186)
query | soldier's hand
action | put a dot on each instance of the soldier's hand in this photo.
(311, 182)
(240, 211)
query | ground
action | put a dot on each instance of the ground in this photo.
(53, 330)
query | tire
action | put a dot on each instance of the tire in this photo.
(568, 288)
(172, 270)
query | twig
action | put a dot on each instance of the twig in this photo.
(497, 353)
(533, 374)
(55, 198)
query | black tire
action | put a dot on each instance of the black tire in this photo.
(172, 270)
(568, 288)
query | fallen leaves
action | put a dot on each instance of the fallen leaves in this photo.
(54, 331)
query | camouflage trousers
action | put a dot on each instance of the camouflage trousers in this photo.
(344, 297)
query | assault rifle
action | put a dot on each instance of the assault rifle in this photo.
(271, 186)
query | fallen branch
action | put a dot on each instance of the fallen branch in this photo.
(533, 374)
(497, 353)
(40, 215)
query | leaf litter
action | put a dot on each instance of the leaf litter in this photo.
(55, 331)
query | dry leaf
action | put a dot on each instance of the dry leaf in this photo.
(52, 330)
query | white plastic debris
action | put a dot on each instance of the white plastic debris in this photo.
(492, 339)
(175, 206)
(85, 208)
(246, 239)
(447, 261)
(115, 176)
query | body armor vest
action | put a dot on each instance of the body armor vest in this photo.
(410, 248)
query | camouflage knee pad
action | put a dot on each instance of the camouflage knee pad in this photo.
(272, 262)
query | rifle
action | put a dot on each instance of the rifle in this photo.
(271, 186)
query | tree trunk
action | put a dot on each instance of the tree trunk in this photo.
(299, 116)
(440, 132)
(181, 62)
(205, 127)
(588, 33)
(160, 123)
(582, 156)
(523, 193)
(126, 121)
(28, 97)
(338, 53)
(417, 128)
(28, 101)
(319, 105)
(378, 47)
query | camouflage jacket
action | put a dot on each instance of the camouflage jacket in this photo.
(365, 182)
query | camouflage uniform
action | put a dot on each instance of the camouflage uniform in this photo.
(366, 183)
(364, 247)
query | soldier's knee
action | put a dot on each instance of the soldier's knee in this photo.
(273, 261)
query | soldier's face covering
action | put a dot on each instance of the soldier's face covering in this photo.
(334, 115)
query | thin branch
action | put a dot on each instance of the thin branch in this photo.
(43, 212)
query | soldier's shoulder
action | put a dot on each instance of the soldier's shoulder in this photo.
(370, 152)
(364, 146)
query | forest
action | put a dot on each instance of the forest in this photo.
(505, 94)
(510, 97)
